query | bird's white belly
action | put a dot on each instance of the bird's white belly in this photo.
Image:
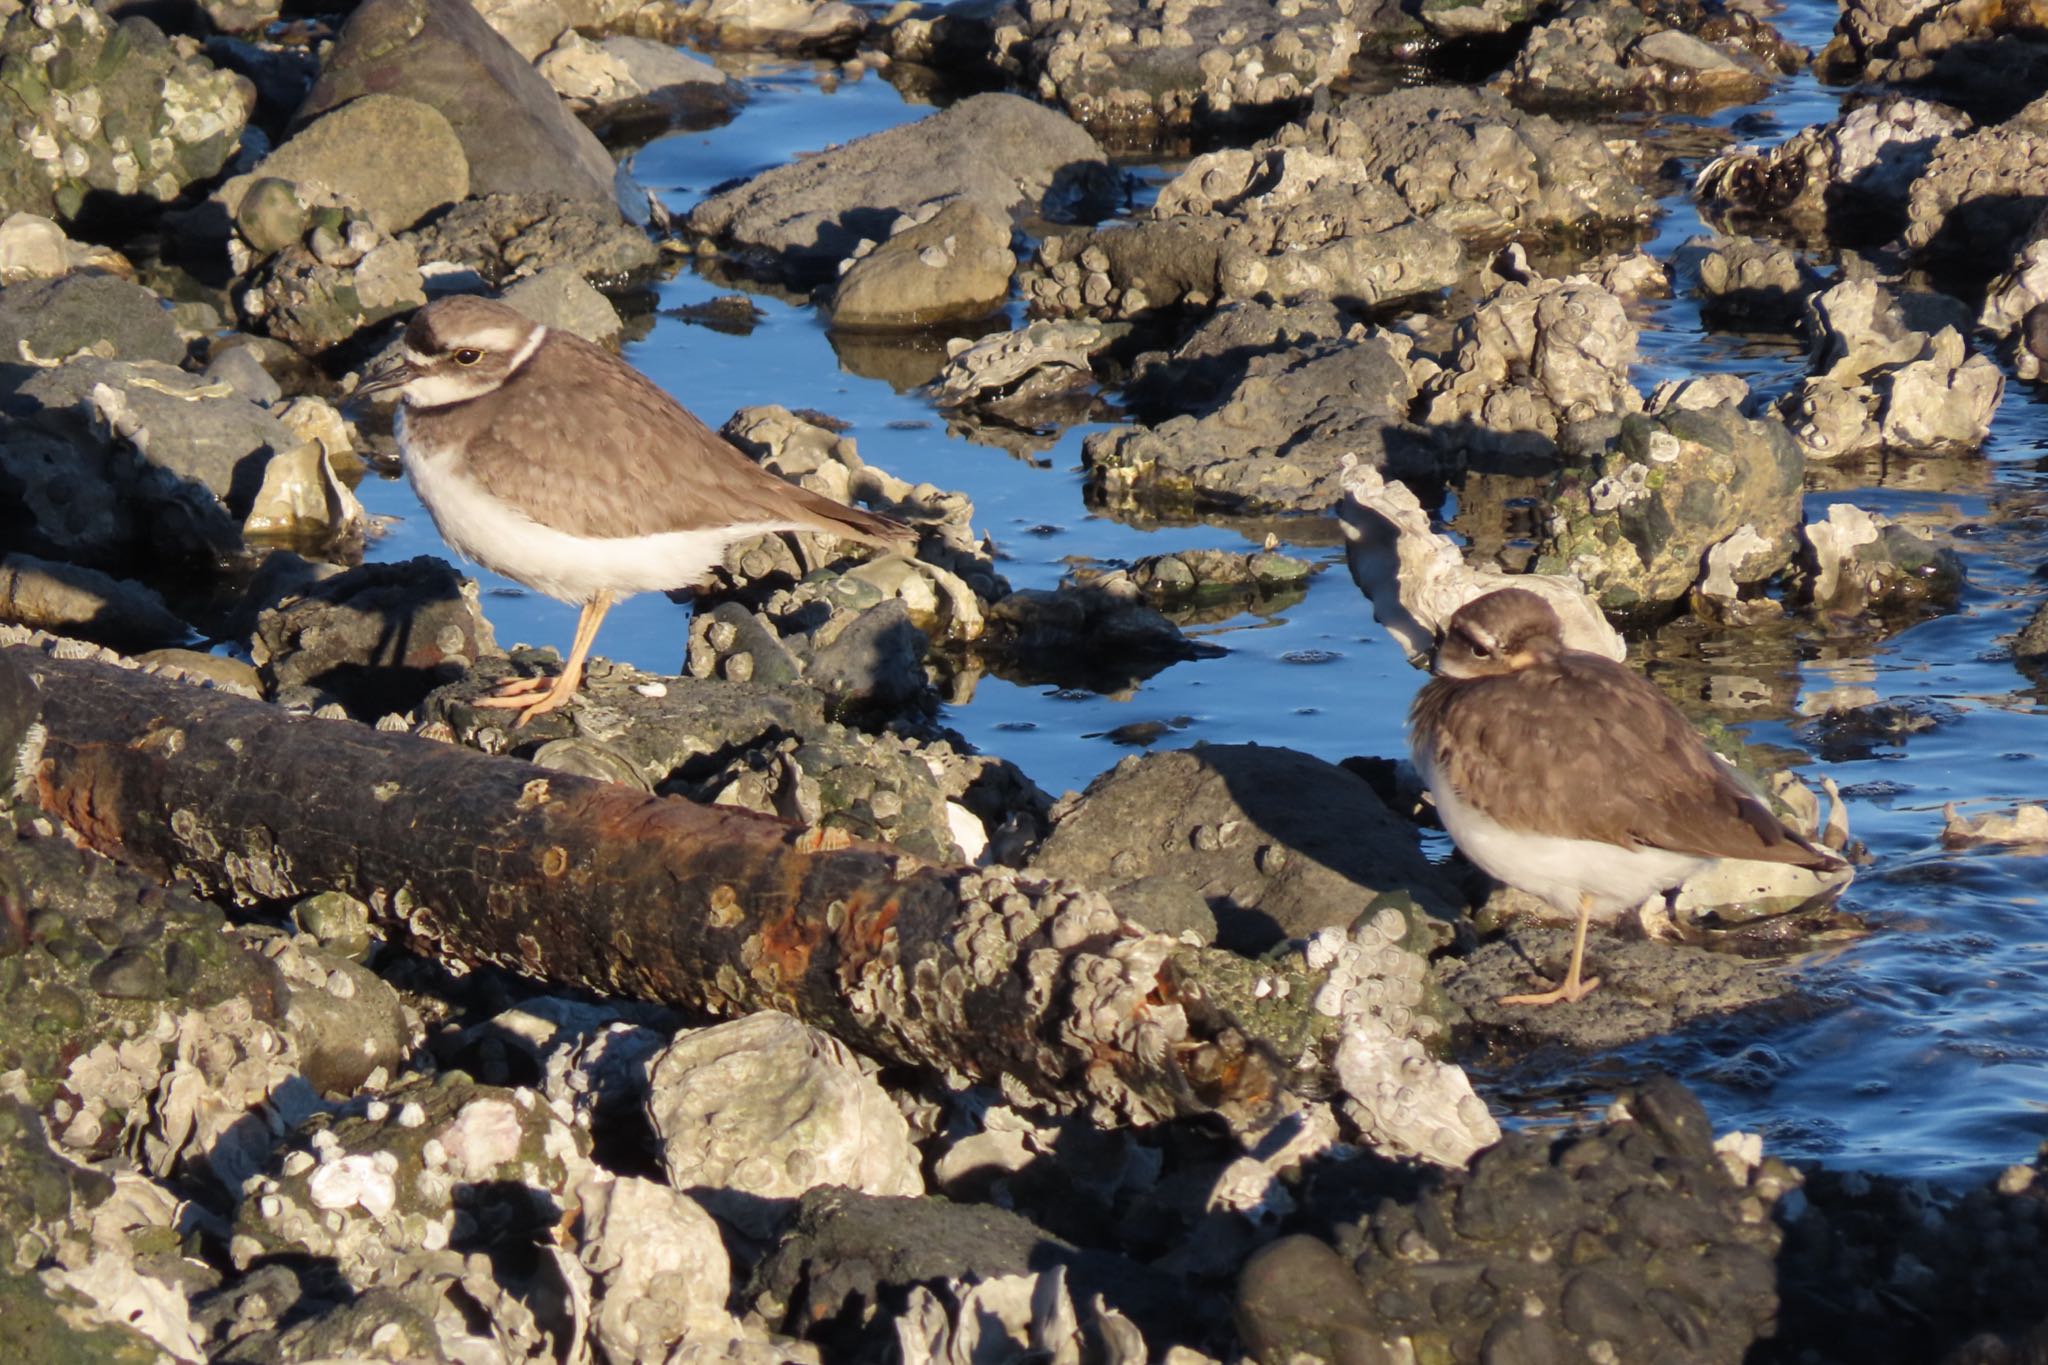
(1558, 869)
(572, 568)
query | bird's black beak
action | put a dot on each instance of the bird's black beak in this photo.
(392, 372)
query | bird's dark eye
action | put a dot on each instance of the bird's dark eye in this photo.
(1480, 651)
(468, 355)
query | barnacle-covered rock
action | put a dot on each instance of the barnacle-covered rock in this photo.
(1613, 54)
(1858, 561)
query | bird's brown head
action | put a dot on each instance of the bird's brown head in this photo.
(456, 349)
(1502, 632)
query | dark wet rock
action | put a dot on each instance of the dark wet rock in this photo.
(941, 263)
(1192, 577)
(1211, 360)
(1858, 561)
(342, 276)
(376, 639)
(1875, 383)
(1876, 1267)
(1647, 989)
(1086, 634)
(518, 137)
(337, 921)
(1134, 72)
(1635, 524)
(115, 460)
(1979, 195)
(1616, 54)
(1748, 282)
(50, 320)
(1986, 58)
(429, 1165)
(379, 1323)
(506, 237)
(1533, 360)
(1277, 442)
(1279, 843)
(1282, 224)
(1641, 1237)
(842, 1249)
(395, 159)
(69, 599)
(633, 87)
(2030, 646)
(872, 662)
(106, 110)
(750, 1114)
(1849, 178)
(1878, 729)
(998, 151)
(1297, 1297)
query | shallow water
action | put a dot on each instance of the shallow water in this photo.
(1925, 1048)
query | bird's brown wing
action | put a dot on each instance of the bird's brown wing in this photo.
(581, 441)
(1582, 747)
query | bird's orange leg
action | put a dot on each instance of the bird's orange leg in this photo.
(1572, 988)
(513, 696)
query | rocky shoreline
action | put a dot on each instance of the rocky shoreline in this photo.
(1165, 1069)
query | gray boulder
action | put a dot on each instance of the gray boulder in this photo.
(1980, 194)
(1612, 54)
(1279, 843)
(506, 237)
(518, 137)
(944, 263)
(48, 320)
(1001, 152)
(396, 159)
(69, 599)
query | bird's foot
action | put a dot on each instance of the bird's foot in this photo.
(1569, 992)
(556, 697)
(514, 687)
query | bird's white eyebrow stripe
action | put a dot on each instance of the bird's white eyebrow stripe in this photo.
(526, 349)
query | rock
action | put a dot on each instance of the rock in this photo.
(1858, 561)
(947, 262)
(2030, 646)
(126, 458)
(1279, 843)
(343, 276)
(1280, 223)
(809, 27)
(1166, 904)
(68, 599)
(1198, 577)
(337, 921)
(560, 297)
(106, 109)
(1746, 281)
(430, 1162)
(1296, 1297)
(241, 369)
(1614, 55)
(873, 662)
(1136, 73)
(998, 151)
(1279, 440)
(1040, 360)
(376, 639)
(222, 671)
(633, 87)
(1966, 54)
(660, 1263)
(517, 136)
(1085, 635)
(531, 26)
(34, 248)
(394, 158)
(42, 321)
(303, 503)
(507, 237)
(1635, 524)
(1876, 384)
(1979, 195)
(756, 1111)
(2013, 301)
(1617, 1198)
(1533, 360)
(844, 1248)
(1848, 179)
(348, 1024)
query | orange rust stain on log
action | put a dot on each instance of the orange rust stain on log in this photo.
(88, 800)
(555, 861)
(866, 927)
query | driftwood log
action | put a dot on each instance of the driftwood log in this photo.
(492, 860)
